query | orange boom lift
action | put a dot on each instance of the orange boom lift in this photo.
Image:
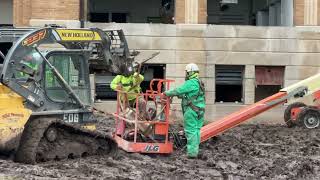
(307, 89)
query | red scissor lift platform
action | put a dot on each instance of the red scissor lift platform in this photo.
(128, 121)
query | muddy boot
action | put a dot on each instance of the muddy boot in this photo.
(192, 157)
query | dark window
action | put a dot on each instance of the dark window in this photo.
(119, 17)
(229, 80)
(4, 48)
(149, 71)
(152, 71)
(99, 17)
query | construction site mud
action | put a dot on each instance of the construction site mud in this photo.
(244, 152)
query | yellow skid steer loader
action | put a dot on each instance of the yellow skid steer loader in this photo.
(45, 100)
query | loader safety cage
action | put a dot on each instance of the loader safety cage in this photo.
(110, 48)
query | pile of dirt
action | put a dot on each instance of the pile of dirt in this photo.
(245, 152)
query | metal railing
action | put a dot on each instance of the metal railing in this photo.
(12, 34)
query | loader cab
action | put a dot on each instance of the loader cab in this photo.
(72, 65)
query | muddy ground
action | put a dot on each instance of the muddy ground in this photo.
(245, 152)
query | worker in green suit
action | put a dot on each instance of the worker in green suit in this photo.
(193, 107)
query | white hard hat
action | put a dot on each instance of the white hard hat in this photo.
(192, 67)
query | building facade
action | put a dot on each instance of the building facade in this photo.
(240, 12)
(246, 49)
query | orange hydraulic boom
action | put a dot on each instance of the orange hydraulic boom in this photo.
(248, 112)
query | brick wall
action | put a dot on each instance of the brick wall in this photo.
(307, 12)
(57, 9)
(180, 11)
(21, 12)
(26, 10)
(299, 12)
(202, 16)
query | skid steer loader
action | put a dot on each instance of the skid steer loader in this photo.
(46, 110)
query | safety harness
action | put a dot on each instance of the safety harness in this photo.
(201, 91)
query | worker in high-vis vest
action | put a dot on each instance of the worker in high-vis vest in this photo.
(34, 60)
(129, 82)
(193, 105)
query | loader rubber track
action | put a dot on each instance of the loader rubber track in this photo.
(49, 138)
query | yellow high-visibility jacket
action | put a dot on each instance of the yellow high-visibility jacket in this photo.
(130, 84)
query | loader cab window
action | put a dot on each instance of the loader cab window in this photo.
(72, 68)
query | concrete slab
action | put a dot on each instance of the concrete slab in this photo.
(300, 72)
(178, 70)
(248, 58)
(185, 57)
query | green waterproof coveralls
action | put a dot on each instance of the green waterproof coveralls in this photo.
(193, 105)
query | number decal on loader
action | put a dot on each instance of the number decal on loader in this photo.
(71, 118)
(152, 148)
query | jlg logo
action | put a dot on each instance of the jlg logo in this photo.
(34, 38)
(152, 148)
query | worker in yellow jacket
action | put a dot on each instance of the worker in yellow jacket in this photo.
(129, 82)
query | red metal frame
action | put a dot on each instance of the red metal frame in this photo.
(160, 126)
(296, 111)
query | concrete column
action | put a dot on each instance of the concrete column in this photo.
(191, 11)
(310, 12)
(286, 12)
(272, 16)
(278, 13)
(249, 84)
(6, 12)
(262, 18)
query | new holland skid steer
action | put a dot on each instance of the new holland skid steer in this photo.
(46, 110)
